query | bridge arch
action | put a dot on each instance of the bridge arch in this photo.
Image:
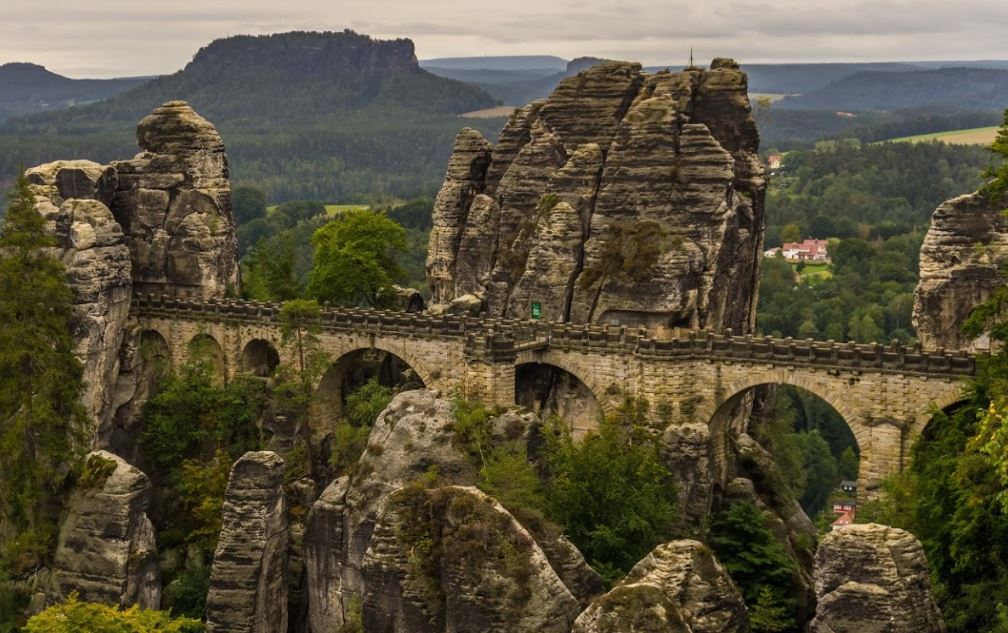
(549, 381)
(155, 352)
(732, 394)
(331, 389)
(204, 347)
(259, 357)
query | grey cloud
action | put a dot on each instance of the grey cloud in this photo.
(116, 37)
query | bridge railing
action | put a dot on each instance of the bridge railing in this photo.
(501, 336)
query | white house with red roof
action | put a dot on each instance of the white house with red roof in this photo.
(809, 250)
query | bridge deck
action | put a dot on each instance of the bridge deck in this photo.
(502, 336)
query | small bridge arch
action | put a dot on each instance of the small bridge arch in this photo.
(205, 347)
(259, 357)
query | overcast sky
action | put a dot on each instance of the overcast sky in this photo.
(105, 38)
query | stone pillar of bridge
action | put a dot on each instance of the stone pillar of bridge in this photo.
(882, 452)
(490, 369)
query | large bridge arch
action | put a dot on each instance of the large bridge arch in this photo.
(883, 422)
(327, 405)
(574, 383)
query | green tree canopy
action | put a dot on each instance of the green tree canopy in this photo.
(997, 186)
(74, 616)
(356, 257)
(247, 204)
(41, 419)
(611, 491)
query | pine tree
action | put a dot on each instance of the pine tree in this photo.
(41, 418)
(997, 187)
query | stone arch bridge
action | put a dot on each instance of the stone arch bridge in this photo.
(886, 394)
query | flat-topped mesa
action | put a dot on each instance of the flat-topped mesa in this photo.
(174, 203)
(960, 267)
(623, 198)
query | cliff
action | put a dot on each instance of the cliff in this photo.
(159, 221)
(622, 198)
(960, 261)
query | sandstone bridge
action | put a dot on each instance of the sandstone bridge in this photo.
(886, 394)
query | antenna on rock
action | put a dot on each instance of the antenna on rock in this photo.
(691, 57)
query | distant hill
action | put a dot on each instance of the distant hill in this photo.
(326, 115)
(502, 62)
(963, 89)
(514, 86)
(28, 88)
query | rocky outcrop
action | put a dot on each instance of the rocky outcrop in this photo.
(73, 196)
(248, 581)
(174, 203)
(407, 545)
(873, 578)
(161, 221)
(960, 261)
(106, 550)
(623, 198)
(679, 587)
(451, 559)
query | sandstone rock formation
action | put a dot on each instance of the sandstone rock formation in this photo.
(679, 587)
(452, 559)
(174, 203)
(873, 578)
(73, 196)
(407, 545)
(106, 550)
(248, 581)
(960, 262)
(622, 198)
(160, 221)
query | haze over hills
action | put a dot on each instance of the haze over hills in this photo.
(325, 115)
(27, 88)
(968, 89)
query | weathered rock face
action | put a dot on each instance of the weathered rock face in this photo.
(174, 203)
(959, 269)
(362, 562)
(73, 197)
(679, 587)
(872, 579)
(623, 198)
(248, 581)
(106, 550)
(478, 568)
(161, 221)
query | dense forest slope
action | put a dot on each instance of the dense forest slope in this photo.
(974, 89)
(319, 114)
(28, 88)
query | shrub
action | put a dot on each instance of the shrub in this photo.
(74, 616)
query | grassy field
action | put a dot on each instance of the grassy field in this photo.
(975, 136)
(815, 273)
(489, 113)
(772, 96)
(337, 209)
(333, 209)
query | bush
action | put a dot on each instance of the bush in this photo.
(74, 616)
(611, 492)
(365, 403)
(757, 562)
(187, 594)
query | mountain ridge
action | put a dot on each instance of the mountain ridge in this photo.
(26, 87)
